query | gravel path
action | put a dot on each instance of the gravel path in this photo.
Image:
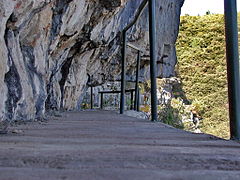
(103, 145)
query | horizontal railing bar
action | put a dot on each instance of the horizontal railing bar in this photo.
(115, 92)
(134, 47)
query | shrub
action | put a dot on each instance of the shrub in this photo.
(202, 70)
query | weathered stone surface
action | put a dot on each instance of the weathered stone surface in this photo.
(49, 48)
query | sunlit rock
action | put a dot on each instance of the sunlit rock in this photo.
(49, 48)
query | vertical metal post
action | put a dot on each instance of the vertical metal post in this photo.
(131, 107)
(136, 101)
(232, 55)
(101, 101)
(123, 81)
(91, 97)
(91, 91)
(153, 57)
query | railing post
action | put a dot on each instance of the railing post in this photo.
(91, 97)
(232, 54)
(136, 101)
(131, 107)
(123, 81)
(91, 90)
(101, 101)
(153, 57)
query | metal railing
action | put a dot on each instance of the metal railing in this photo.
(115, 92)
(137, 91)
(153, 63)
(232, 54)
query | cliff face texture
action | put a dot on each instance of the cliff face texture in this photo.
(49, 48)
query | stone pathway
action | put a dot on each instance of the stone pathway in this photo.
(102, 145)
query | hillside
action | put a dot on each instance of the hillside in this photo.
(202, 69)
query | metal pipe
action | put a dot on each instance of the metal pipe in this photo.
(153, 57)
(101, 101)
(138, 100)
(137, 82)
(138, 14)
(91, 97)
(124, 36)
(123, 78)
(131, 107)
(232, 54)
(133, 47)
(91, 90)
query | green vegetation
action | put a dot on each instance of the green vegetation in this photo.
(202, 70)
(172, 113)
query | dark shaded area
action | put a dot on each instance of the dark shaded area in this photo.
(12, 80)
(64, 71)
(178, 92)
(109, 4)
(51, 103)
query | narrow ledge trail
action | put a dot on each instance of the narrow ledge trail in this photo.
(104, 145)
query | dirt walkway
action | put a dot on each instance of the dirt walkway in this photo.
(106, 146)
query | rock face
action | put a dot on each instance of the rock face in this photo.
(49, 48)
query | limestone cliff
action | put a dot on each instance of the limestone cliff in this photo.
(48, 49)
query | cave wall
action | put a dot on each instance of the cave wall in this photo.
(49, 48)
